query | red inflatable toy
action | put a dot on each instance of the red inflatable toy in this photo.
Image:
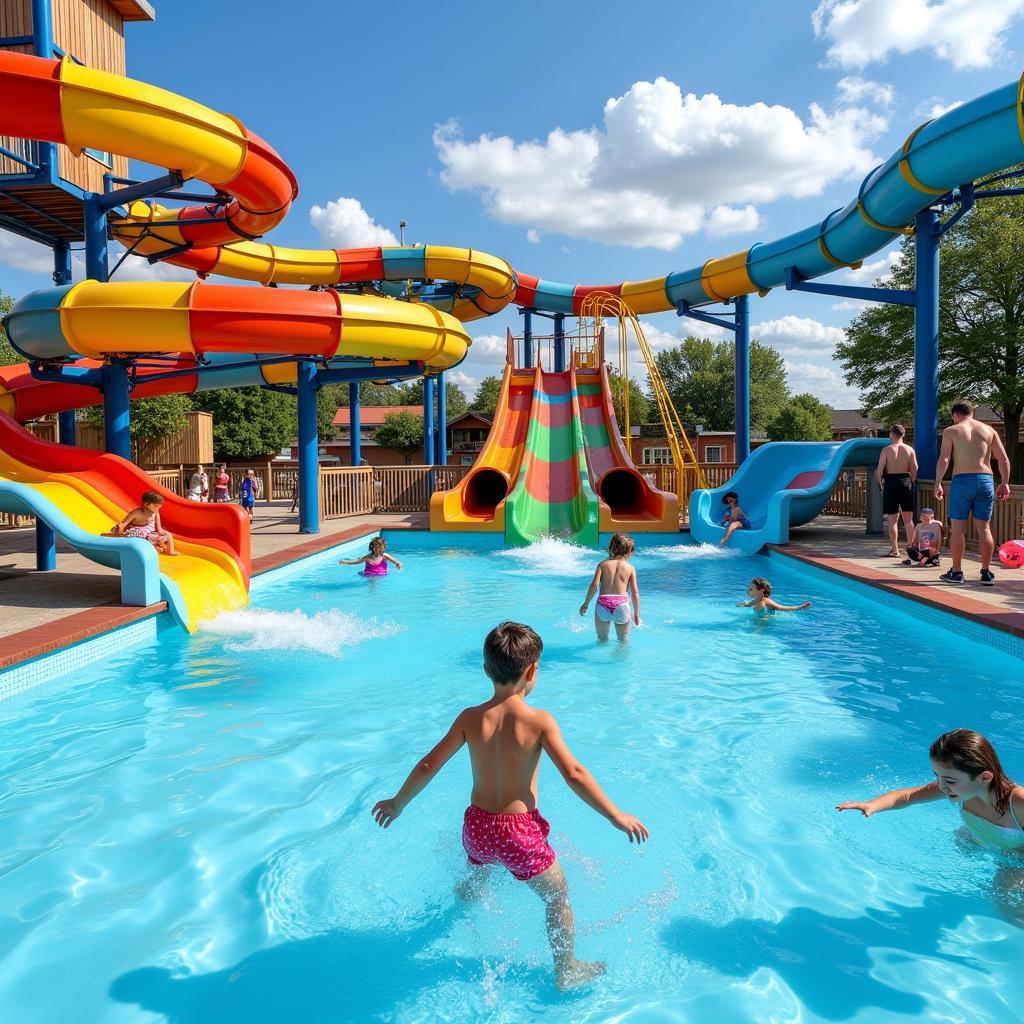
(1011, 554)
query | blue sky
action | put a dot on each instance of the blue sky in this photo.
(585, 144)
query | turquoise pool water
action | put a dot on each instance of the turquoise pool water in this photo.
(185, 830)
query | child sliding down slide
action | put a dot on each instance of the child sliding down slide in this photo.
(144, 522)
(502, 825)
(614, 577)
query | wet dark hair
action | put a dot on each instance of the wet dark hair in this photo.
(969, 752)
(763, 585)
(962, 407)
(898, 429)
(509, 650)
(621, 546)
(377, 546)
(152, 498)
(728, 495)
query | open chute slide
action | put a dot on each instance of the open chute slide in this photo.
(783, 484)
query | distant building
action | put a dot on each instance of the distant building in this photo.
(467, 434)
(850, 423)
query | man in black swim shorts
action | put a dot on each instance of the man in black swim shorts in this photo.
(896, 475)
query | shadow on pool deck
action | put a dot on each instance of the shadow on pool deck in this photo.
(827, 961)
(343, 975)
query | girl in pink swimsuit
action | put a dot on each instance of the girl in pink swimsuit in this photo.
(376, 562)
(616, 580)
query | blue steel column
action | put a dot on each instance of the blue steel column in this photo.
(926, 341)
(309, 443)
(428, 421)
(62, 275)
(559, 342)
(46, 547)
(742, 350)
(114, 375)
(441, 437)
(43, 46)
(527, 338)
(355, 448)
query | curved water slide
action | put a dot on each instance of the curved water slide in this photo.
(628, 501)
(479, 501)
(780, 485)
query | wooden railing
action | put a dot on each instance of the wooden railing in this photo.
(346, 491)
(14, 521)
(849, 496)
(408, 488)
(172, 479)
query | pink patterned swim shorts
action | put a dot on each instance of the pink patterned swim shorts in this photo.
(517, 841)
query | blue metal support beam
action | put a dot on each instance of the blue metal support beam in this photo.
(527, 338)
(355, 448)
(559, 342)
(739, 325)
(742, 382)
(926, 339)
(441, 435)
(66, 425)
(309, 445)
(46, 547)
(428, 421)
(116, 417)
(898, 296)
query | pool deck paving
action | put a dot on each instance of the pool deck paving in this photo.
(41, 612)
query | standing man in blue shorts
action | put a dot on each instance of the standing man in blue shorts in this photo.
(971, 445)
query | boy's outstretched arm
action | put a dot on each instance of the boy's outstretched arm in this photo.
(591, 590)
(583, 784)
(385, 811)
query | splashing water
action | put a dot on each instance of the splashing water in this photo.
(552, 556)
(688, 552)
(325, 632)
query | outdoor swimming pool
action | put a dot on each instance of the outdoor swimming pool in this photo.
(185, 830)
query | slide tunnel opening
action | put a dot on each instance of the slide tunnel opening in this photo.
(622, 491)
(484, 490)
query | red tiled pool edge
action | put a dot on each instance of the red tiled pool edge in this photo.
(72, 629)
(945, 600)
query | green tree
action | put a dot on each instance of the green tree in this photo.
(8, 355)
(802, 418)
(700, 376)
(401, 431)
(248, 423)
(981, 326)
(152, 419)
(487, 394)
(455, 399)
(639, 406)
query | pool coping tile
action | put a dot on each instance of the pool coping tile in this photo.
(946, 600)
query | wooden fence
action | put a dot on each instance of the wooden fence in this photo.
(346, 491)
(849, 496)
(1007, 516)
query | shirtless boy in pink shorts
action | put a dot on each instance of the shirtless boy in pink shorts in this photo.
(502, 824)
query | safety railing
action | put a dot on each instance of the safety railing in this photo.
(1007, 516)
(849, 496)
(172, 479)
(346, 491)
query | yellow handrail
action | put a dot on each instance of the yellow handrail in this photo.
(595, 307)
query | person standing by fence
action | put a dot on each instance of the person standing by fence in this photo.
(222, 485)
(971, 444)
(199, 485)
(896, 474)
(248, 492)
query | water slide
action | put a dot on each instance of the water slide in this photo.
(64, 102)
(783, 484)
(553, 496)
(80, 494)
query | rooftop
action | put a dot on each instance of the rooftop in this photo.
(373, 415)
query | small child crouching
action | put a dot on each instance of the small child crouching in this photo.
(144, 522)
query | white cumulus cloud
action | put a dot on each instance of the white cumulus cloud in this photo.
(967, 33)
(25, 255)
(821, 381)
(344, 224)
(854, 89)
(799, 335)
(731, 220)
(659, 163)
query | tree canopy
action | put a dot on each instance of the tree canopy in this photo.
(639, 406)
(700, 377)
(152, 419)
(981, 325)
(8, 355)
(248, 423)
(401, 431)
(802, 418)
(486, 398)
(455, 399)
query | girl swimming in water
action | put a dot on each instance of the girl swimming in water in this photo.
(376, 562)
(760, 594)
(969, 775)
